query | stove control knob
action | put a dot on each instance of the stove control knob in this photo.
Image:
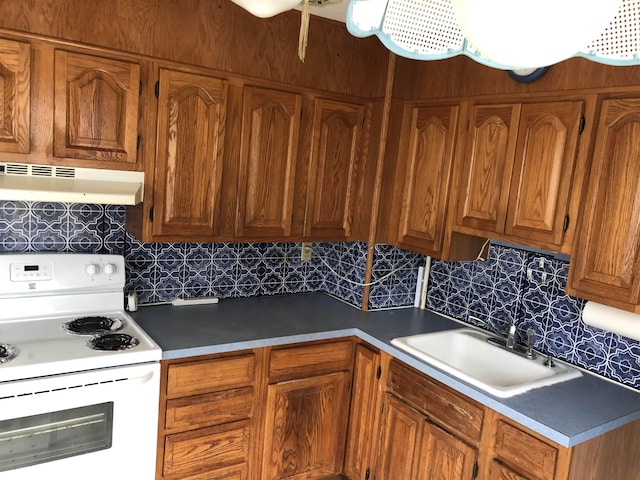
(92, 269)
(109, 269)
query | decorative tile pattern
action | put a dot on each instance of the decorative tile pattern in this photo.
(513, 285)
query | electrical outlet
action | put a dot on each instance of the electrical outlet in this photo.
(307, 251)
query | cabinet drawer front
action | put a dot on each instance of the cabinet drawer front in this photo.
(237, 472)
(441, 405)
(210, 375)
(205, 450)
(209, 409)
(305, 361)
(527, 453)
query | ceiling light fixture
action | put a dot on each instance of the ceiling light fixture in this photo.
(527, 34)
(267, 8)
(504, 34)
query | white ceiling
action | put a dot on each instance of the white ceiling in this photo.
(334, 11)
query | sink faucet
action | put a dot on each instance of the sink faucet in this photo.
(511, 336)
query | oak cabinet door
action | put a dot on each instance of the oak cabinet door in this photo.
(429, 143)
(606, 263)
(96, 108)
(306, 427)
(443, 455)
(15, 96)
(413, 447)
(190, 142)
(488, 162)
(270, 129)
(542, 171)
(333, 174)
(517, 171)
(400, 438)
(360, 439)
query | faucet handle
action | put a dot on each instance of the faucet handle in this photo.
(530, 339)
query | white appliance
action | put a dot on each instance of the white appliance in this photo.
(79, 379)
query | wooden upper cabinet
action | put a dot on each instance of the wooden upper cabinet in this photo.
(517, 171)
(96, 108)
(268, 152)
(488, 161)
(605, 265)
(543, 170)
(15, 96)
(427, 142)
(190, 140)
(334, 169)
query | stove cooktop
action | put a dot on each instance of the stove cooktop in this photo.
(45, 347)
(41, 294)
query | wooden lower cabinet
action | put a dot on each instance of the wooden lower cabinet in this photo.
(427, 431)
(290, 413)
(305, 427)
(307, 410)
(207, 425)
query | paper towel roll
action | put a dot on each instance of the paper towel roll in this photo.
(612, 319)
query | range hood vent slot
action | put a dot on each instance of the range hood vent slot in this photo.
(50, 183)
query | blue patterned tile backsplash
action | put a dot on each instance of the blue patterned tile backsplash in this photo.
(160, 272)
(512, 285)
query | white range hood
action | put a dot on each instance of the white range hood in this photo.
(49, 183)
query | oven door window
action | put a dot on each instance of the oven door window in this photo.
(51, 436)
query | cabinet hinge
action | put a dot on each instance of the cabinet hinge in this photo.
(140, 88)
(151, 214)
(565, 225)
(367, 474)
(157, 89)
(581, 125)
(475, 470)
(378, 372)
(138, 142)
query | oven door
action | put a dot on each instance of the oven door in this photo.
(100, 424)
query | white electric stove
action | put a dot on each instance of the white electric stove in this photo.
(79, 379)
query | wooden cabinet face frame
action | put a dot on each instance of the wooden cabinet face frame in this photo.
(15, 96)
(96, 108)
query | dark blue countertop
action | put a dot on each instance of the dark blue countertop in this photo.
(568, 413)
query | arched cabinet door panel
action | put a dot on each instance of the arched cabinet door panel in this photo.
(606, 263)
(267, 169)
(190, 142)
(15, 96)
(96, 108)
(335, 169)
(427, 142)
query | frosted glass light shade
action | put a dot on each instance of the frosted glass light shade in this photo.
(267, 8)
(532, 33)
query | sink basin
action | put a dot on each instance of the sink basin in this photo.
(465, 353)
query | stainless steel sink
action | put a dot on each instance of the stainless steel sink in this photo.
(466, 354)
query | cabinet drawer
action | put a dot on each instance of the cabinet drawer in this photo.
(208, 409)
(525, 452)
(310, 360)
(440, 404)
(210, 375)
(206, 450)
(237, 472)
